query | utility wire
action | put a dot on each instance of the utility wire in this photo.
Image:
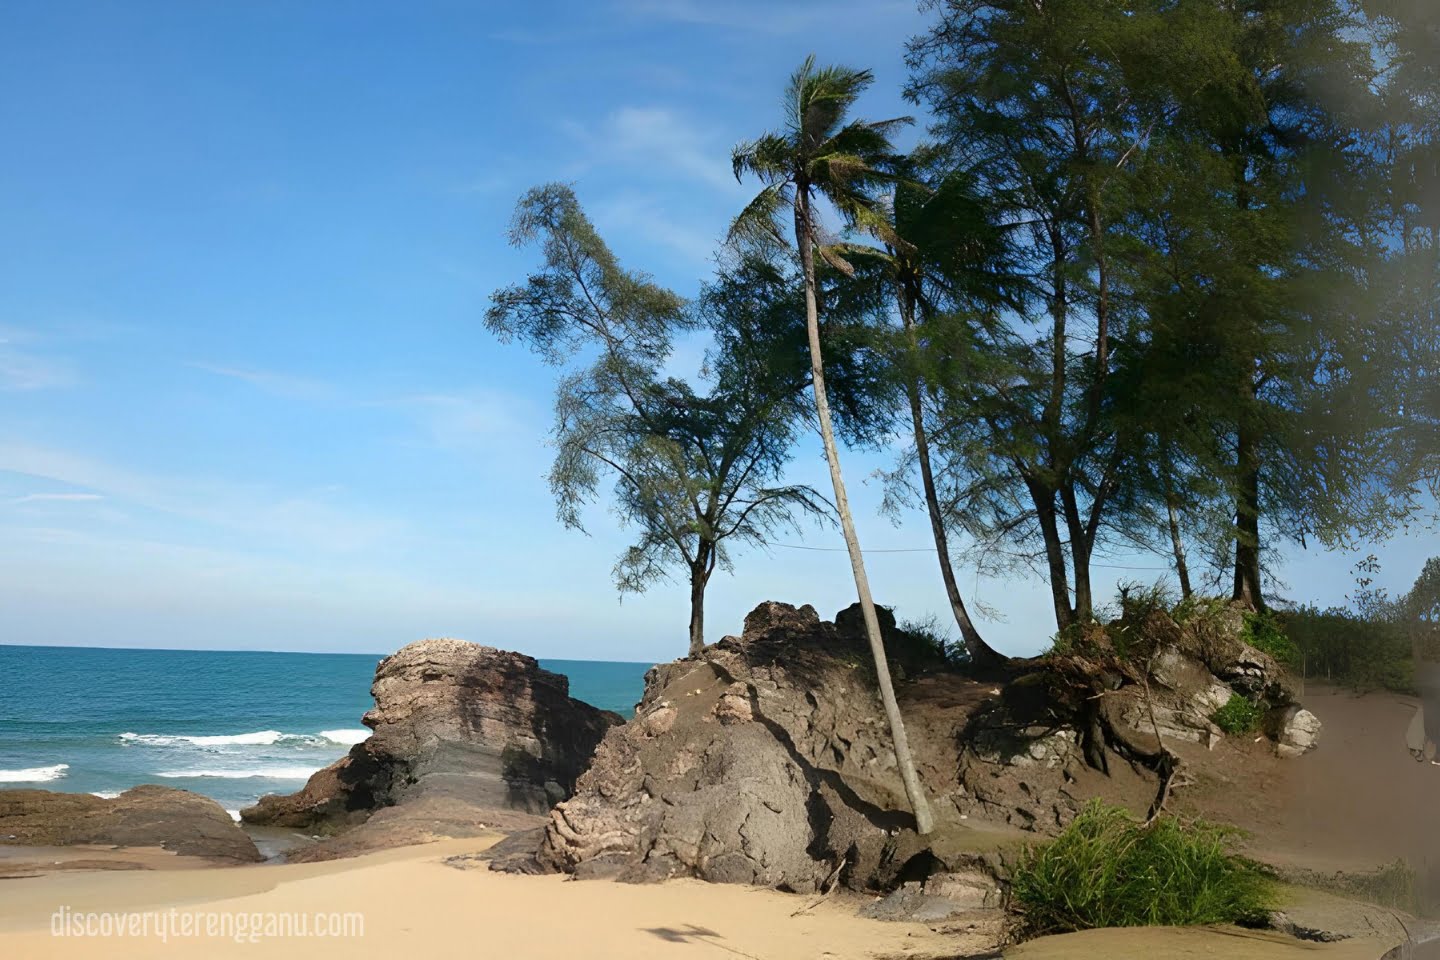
(796, 546)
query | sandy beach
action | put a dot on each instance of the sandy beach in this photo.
(410, 899)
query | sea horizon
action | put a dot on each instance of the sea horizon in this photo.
(322, 653)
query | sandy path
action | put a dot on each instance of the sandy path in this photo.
(1360, 799)
(1182, 943)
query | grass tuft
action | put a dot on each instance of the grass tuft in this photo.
(1106, 870)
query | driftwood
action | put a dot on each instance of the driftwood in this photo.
(826, 888)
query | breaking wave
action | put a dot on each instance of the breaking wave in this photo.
(34, 774)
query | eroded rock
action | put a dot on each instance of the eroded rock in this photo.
(467, 737)
(145, 816)
(765, 760)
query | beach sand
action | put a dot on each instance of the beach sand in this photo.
(415, 904)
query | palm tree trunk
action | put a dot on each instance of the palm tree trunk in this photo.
(982, 655)
(911, 780)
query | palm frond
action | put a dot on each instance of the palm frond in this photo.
(766, 157)
(759, 222)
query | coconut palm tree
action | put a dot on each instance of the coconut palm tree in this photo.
(819, 154)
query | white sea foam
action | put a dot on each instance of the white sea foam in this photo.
(106, 794)
(269, 773)
(260, 738)
(234, 815)
(34, 774)
(346, 737)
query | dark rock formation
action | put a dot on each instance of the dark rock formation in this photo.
(467, 738)
(766, 760)
(146, 816)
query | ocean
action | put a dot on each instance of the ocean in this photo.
(232, 725)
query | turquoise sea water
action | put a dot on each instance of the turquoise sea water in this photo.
(231, 725)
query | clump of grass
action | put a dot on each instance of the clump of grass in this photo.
(1106, 870)
(1239, 715)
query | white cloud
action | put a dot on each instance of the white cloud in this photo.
(271, 382)
(661, 141)
(57, 498)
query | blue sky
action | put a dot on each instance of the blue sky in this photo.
(246, 399)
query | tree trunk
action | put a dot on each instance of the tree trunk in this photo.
(1079, 555)
(1177, 543)
(1044, 500)
(921, 807)
(1247, 517)
(699, 577)
(981, 653)
(1247, 504)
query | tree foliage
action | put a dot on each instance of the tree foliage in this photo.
(696, 474)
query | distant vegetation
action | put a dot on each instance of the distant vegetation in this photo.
(1106, 870)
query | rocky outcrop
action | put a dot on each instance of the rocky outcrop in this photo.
(765, 760)
(466, 738)
(146, 816)
(1132, 701)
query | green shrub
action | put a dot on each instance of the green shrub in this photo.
(1195, 606)
(919, 646)
(1106, 870)
(1238, 716)
(1265, 631)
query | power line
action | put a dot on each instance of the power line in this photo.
(797, 546)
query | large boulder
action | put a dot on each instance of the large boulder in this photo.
(1295, 730)
(764, 760)
(146, 816)
(466, 737)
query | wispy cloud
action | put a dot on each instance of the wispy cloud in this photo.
(304, 520)
(662, 141)
(56, 498)
(272, 382)
(774, 17)
(643, 215)
(24, 365)
(469, 421)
